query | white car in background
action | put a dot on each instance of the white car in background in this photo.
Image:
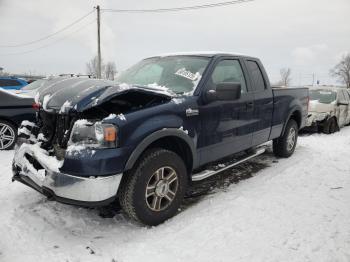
(329, 108)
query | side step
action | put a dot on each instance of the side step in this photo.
(207, 173)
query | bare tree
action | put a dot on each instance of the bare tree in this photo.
(110, 70)
(285, 76)
(341, 71)
(92, 67)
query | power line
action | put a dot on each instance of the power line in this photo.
(176, 9)
(50, 35)
(53, 43)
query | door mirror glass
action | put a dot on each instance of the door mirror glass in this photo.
(228, 91)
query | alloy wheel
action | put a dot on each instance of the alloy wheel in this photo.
(291, 139)
(161, 188)
(7, 136)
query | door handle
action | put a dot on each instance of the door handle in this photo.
(249, 105)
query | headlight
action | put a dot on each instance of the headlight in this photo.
(97, 135)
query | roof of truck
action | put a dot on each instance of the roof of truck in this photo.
(203, 53)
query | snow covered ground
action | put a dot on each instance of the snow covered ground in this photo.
(296, 209)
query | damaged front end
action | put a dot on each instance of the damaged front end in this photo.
(72, 153)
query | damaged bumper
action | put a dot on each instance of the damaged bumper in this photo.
(313, 118)
(48, 180)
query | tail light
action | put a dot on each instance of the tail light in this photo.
(36, 106)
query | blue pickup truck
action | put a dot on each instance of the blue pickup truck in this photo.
(165, 123)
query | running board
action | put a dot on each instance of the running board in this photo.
(208, 173)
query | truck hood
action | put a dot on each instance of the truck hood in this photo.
(77, 94)
(317, 107)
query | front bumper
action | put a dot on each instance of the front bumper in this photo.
(86, 191)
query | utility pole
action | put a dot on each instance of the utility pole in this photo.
(98, 43)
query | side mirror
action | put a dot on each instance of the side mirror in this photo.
(225, 92)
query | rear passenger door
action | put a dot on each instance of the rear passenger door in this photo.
(263, 101)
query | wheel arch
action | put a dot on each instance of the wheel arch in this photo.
(296, 115)
(172, 139)
(9, 120)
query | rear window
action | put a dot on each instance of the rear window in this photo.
(323, 96)
(257, 77)
(9, 82)
(34, 85)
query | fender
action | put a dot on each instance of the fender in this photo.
(155, 136)
(294, 109)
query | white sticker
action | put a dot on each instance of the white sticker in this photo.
(325, 93)
(186, 74)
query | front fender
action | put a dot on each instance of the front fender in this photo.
(165, 132)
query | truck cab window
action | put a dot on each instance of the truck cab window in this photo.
(229, 71)
(257, 77)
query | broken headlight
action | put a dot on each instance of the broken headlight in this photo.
(97, 135)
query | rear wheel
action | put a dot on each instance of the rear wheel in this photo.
(8, 135)
(153, 190)
(284, 146)
(330, 126)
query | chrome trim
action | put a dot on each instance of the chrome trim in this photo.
(87, 189)
(208, 173)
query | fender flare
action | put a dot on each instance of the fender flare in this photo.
(291, 112)
(174, 132)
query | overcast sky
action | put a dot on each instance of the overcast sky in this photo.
(309, 36)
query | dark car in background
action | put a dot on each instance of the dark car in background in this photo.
(14, 108)
(12, 83)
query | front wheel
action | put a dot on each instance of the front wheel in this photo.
(284, 146)
(153, 190)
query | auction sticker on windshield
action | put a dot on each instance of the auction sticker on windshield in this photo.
(186, 74)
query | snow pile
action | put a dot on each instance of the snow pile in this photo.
(182, 129)
(178, 100)
(110, 117)
(46, 101)
(27, 123)
(296, 209)
(37, 152)
(65, 107)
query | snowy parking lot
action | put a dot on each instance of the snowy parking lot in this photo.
(294, 209)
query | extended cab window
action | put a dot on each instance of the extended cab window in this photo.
(229, 71)
(257, 77)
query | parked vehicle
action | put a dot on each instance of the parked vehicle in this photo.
(329, 109)
(143, 141)
(12, 83)
(13, 110)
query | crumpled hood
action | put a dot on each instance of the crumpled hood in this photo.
(79, 94)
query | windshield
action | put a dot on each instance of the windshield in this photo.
(35, 85)
(179, 74)
(323, 96)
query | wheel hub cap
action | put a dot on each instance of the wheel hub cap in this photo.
(161, 188)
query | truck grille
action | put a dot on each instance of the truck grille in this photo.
(56, 129)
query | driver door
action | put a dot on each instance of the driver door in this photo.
(226, 127)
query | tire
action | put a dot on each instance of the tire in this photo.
(8, 135)
(284, 146)
(148, 193)
(330, 126)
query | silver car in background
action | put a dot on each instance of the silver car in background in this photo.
(329, 108)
